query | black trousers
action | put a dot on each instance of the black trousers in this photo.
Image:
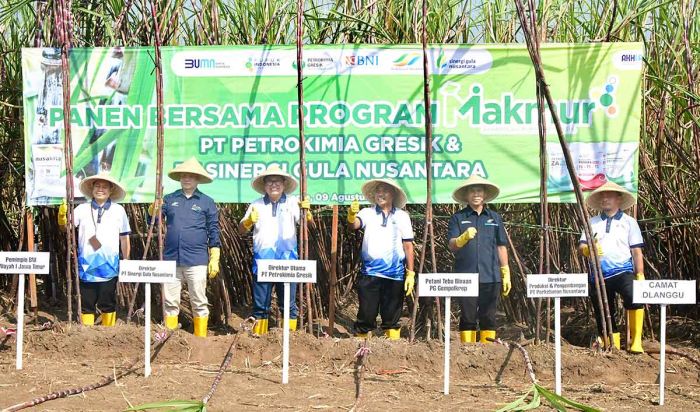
(482, 308)
(622, 284)
(98, 294)
(378, 296)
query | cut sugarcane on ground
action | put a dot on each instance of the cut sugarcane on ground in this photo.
(398, 375)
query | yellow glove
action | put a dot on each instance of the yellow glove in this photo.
(466, 236)
(252, 219)
(306, 205)
(505, 279)
(409, 282)
(214, 254)
(587, 252)
(353, 211)
(639, 276)
(62, 212)
(155, 206)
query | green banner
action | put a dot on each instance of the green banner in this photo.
(235, 109)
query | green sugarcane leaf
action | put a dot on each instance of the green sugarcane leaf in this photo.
(557, 400)
(174, 405)
(521, 404)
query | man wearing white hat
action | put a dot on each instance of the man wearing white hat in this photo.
(273, 218)
(618, 241)
(387, 257)
(103, 230)
(477, 237)
(192, 240)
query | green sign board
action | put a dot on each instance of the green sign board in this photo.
(235, 109)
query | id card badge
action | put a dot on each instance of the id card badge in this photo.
(95, 243)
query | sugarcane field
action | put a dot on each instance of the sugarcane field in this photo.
(349, 205)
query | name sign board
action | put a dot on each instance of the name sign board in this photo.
(147, 271)
(448, 284)
(560, 285)
(12, 263)
(282, 271)
(665, 292)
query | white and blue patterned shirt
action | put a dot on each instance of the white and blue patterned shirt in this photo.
(275, 233)
(107, 223)
(382, 246)
(616, 234)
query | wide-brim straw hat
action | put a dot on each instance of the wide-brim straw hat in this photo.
(290, 183)
(593, 200)
(491, 191)
(118, 192)
(191, 166)
(370, 187)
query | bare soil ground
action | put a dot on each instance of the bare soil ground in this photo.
(399, 375)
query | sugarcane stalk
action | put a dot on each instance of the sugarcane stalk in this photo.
(63, 17)
(132, 366)
(361, 356)
(304, 289)
(220, 374)
(533, 49)
(333, 271)
(526, 357)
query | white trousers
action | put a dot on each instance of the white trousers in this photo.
(196, 278)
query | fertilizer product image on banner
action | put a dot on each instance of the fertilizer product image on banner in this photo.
(235, 109)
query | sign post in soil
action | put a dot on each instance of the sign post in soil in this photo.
(147, 271)
(664, 292)
(23, 263)
(557, 286)
(286, 271)
(448, 285)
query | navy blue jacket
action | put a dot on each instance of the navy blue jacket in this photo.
(193, 227)
(480, 255)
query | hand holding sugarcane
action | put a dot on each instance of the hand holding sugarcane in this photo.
(252, 219)
(466, 236)
(306, 205)
(62, 214)
(353, 211)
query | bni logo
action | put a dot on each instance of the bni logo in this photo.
(200, 63)
(356, 60)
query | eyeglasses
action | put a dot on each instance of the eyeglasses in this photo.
(274, 182)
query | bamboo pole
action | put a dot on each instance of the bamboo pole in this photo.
(304, 288)
(428, 234)
(64, 32)
(159, 136)
(333, 271)
(544, 266)
(33, 304)
(533, 49)
(159, 163)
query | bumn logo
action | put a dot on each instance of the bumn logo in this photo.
(356, 60)
(200, 63)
